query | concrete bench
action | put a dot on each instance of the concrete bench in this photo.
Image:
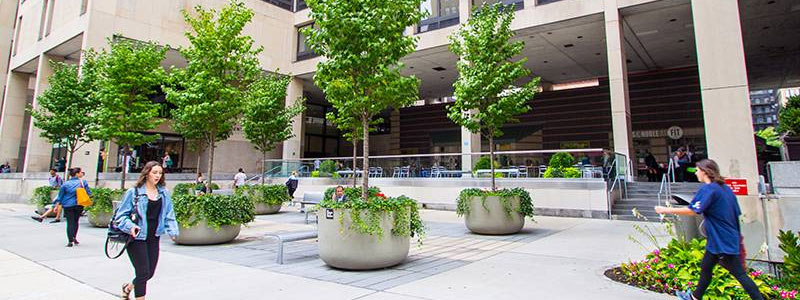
(291, 237)
(310, 198)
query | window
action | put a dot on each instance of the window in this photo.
(543, 2)
(285, 4)
(303, 50)
(441, 14)
(84, 4)
(301, 5)
(49, 24)
(42, 19)
(518, 4)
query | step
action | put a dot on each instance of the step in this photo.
(636, 202)
(632, 218)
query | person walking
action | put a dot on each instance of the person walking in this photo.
(68, 199)
(239, 179)
(717, 203)
(291, 184)
(652, 166)
(154, 217)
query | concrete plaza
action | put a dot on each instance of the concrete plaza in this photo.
(553, 258)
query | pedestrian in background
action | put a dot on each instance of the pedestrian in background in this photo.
(68, 199)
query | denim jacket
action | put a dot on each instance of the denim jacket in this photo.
(66, 194)
(166, 223)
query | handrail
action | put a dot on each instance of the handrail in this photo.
(592, 150)
(614, 185)
(666, 183)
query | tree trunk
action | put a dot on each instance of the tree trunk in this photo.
(263, 160)
(210, 164)
(355, 155)
(197, 168)
(125, 164)
(69, 162)
(491, 158)
(365, 165)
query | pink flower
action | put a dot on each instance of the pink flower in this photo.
(657, 252)
(671, 266)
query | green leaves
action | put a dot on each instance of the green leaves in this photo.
(127, 76)
(41, 196)
(103, 199)
(789, 118)
(266, 122)
(363, 41)
(525, 201)
(485, 92)
(790, 244)
(217, 210)
(267, 194)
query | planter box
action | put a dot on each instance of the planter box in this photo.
(355, 251)
(266, 209)
(102, 219)
(202, 234)
(493, 218)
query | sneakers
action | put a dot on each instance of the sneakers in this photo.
(37, 218)
(75, 242)
(69, 245)
(685, 295)
(55, 221)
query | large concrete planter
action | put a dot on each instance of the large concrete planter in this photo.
(101, 219)
(266, 209)
(355, 251)
(202, 234)
(493, 218)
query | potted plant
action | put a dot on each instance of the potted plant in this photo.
(487, 97)
(43, 196)
(211, 218)
(364, 235)
(267, 199)
(495, 212)
(101, 210)
(561, 166)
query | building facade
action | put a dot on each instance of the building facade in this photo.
(626, 75)
(765, 105)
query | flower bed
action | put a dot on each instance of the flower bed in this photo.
(676, 267)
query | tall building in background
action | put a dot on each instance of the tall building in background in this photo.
(765, 106)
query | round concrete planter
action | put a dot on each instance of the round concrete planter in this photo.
(355, 251)
(101, 219)
(202, 234)
(266, 209)
(493, 218)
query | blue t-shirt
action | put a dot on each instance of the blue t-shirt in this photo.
(718, 205)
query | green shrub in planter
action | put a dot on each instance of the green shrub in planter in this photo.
(790, 244)
(315, 174)
(561, 160)
(102, 200)
(41, 196)
(328, 166)
(267, 194)
(183, 189)
(199, 186)
(215, 209)
(525, 202)
(407, 222)
(561, 166)
(483, 164)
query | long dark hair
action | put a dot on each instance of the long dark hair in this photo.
(146, 170)
(711, 169)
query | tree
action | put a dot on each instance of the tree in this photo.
(486, 97)
(361, 76)
(789, 123)
(128, 75)
(266, 121)
(64, 110)
(221, 66)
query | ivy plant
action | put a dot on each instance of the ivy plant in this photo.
(505, 195)
(274, 194)
(41, 196)
(366, 216)
(103, 199)
(217, 210)
(183, 189)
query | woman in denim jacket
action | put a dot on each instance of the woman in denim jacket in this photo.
(154, 217)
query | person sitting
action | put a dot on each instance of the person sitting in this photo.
(339, 195)
(55, 183)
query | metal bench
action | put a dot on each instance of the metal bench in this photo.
(291, 237)
(310, 198)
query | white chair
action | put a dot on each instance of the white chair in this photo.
(396, 172)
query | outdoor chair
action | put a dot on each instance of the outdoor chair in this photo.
(542, 169)
(396, 172)
(523, 171)
(405, 171)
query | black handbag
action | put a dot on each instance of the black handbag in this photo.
(117, 240)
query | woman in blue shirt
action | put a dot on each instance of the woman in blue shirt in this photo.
(154, 218)
(717, 203)
(69, 202)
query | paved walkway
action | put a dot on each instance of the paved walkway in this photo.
(557, 258)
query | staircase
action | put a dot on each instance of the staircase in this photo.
(644, 197)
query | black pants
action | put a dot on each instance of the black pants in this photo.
(733, 265)
(144, 258)
(72, 214)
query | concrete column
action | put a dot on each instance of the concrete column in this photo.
(293, 147)
(12, 118)
(470, 143)
(618, 81)
(464, 10)
(39, 149)
(726, 105)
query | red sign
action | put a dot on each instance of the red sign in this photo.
(738, 185)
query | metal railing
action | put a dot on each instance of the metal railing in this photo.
(665, 190)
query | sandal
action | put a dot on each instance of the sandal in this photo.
(125, 291)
